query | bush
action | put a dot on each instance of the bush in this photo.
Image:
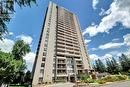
(86, 79)
(89, 80)
(101, 81)
(112, 78)
(122, 77)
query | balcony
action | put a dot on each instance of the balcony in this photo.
(78, 62)
(61, 66)
(61, 73)
(61, 61)
(80, 67)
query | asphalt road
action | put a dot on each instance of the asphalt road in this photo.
(119, 84)
(114, 84)
(62, 85)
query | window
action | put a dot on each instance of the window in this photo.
(40, 79)
(42, 71)
(42, 64)
(43, 59)
(45, 49)
(45, 44)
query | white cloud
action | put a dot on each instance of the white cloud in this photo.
(94, 49)
(93, 57)
(96, 57)
(107, 56)
(127, 52)
(115, 53)
(6, 45)
(30, 57)
(119, 11)
(103, 12)
(11, 33)
(118, 53)
(26, 39)
(94, 3)
(110, 45)
(127, 39)
(115, 44)
(86, 41)
(115, 39)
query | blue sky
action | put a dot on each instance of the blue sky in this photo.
(105, 25)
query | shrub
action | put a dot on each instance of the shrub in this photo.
(101, 81)
(112, 78)
(86, 79)
(122, 77)
(89, 80)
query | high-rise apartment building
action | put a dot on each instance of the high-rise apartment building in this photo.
(61, 54)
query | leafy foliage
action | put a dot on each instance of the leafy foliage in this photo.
(28, 78)
(6, 9)
(100, 67)
(12, 65)
(112, 66)
(86, 78)
(125, 62)
(8, 67)
(112, 78)
(20, 49)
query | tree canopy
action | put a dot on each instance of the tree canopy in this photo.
(12, 65)
(99, 66)
(125, 62)
(8, 67)
(112, 66)
(6, 9)
(20, 49)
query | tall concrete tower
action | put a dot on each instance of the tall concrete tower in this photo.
(61, 54)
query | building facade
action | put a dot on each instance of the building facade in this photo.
(61, 54)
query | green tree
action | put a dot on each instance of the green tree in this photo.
(8, 67)
(7, 8)
(20, 49)
(112, 66)
(27, 78)
(99, 66)
(12, 65)
(125, 62)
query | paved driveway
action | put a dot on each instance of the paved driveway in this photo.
(119, 84)
(115, 84)
(62, 85)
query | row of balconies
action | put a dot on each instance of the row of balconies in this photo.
(64, 41)
(68, 54)
(67, 35)
(67, 41)
(64, 19)
(72, 40)
(67, 45)
(66, 29)
(68, 49)
(64, 24)
(63, 49)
